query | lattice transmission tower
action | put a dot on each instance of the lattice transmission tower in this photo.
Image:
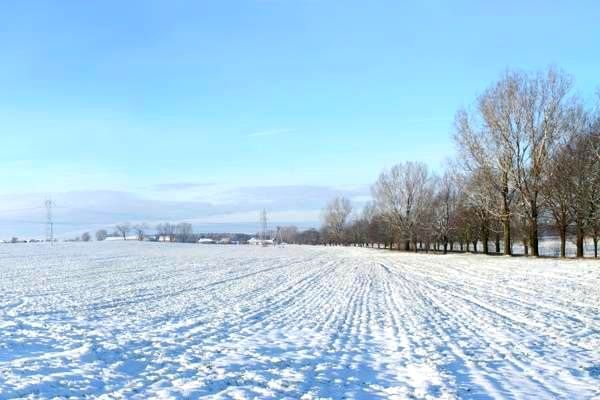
(49, 204)
(264, 227)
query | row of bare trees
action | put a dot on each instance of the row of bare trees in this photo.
(181, 232)
(528, 166)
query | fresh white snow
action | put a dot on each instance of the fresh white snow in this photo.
(161, 320)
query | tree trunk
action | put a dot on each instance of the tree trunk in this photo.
(563, 241)
(474, 246)
(497, 243)
(525, 246)
(486, 238)
(533, 234)
(407, 245)
(506, 219)
(595, 246)
(445, 247)
(579, 241)
(507, 244)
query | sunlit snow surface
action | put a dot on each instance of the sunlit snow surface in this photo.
(152, 320)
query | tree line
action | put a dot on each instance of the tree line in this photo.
(528, 166)
(169, 232)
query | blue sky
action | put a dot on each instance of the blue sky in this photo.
(233, 105)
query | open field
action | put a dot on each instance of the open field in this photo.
(145, 320)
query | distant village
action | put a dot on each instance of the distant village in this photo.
(207, 238)
(183, 233)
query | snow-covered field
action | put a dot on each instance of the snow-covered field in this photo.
(152, 320)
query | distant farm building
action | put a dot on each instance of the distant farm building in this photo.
(115, 238)
(260, 242)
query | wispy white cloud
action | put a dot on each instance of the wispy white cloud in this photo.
(180, 186)
(271, 132)
(252, 216)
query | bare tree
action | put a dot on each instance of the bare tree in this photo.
(101, 235)
(140, 231)
(594, 140)
(595, 131)
(287, 234)
(309, 236)
(445, 209)
(123, 229)
(584, 180)
(357, 231)
(481, 198)
(402, 195)
(595, 225)
(166, 230)
(335, 216)
(558, 195)
(482, 140)
(566, 188)
(374, 225)
(536, 125)
(86, 237)
(377, 231)
(184, 232)
(469, 228)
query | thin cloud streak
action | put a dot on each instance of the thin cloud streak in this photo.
(180, 186)
(271, 132)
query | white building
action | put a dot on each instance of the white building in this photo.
(116, 238)
(206, 241)
(260, 242)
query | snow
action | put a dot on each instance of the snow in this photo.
(161, 320)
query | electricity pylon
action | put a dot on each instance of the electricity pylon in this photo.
(263, 225)
(49, 221)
